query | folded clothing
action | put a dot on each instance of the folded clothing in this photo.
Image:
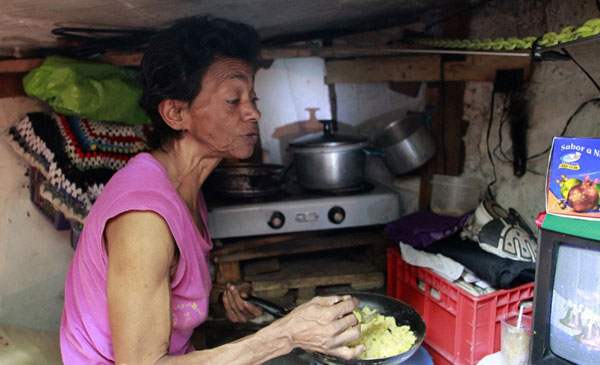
(446, 268)
(422, 228)
(500, 272)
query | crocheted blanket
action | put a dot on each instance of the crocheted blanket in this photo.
(76, 156)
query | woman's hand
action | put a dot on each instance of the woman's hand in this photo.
(325, 324)
(236, 307)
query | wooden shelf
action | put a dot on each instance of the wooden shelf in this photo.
(310, 271)
(367, 64)
(227, 259)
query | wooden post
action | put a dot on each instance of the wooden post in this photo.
(447, 123)
(228, 272)
(12, 85)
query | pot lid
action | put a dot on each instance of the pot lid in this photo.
(328, 139)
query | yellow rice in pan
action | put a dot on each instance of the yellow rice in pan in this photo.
(382, 337)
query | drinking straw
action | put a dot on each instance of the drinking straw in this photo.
(520, 316)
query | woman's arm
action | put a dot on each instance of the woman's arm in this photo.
(140, 251)
(318, 325)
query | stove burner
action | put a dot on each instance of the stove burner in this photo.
(356, 189)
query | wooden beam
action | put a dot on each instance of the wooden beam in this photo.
(483, 68)
(384, 69)
(447, 124)
(123, 59)
(12, 85)
(20, 65)
(435, 165)
(28, 64)
(302, 245)
(317, 280)
(228, 272)
(507, 61)
(424, 68)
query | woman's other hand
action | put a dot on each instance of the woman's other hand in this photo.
(325, 324)
(236, 307)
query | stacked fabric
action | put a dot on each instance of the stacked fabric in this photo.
(76, 156)
(484, 250)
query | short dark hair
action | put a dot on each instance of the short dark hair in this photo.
(177, 58)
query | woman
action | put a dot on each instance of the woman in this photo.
(139, 282)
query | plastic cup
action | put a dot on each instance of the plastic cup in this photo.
(514, 345)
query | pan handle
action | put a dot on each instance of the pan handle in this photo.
(272, 308)
(373, 151)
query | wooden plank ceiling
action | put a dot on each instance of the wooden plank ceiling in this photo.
(26, 25)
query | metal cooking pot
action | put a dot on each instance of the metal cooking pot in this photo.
(387, 306)
(406, 144)
(247, 180)
(329, 161)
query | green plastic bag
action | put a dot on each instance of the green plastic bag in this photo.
(94, 90)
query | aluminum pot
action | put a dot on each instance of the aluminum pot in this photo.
(329, 161)
(406, 144)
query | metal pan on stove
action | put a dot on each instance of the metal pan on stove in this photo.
(247, 180)
(387, 306)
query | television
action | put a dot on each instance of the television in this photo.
(566, 305)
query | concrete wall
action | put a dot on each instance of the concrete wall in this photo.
(33, 256)
(555, 91)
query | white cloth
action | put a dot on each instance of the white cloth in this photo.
(440, 264)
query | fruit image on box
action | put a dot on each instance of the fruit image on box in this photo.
(572, 184)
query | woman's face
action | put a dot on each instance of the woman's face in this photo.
(223, 117)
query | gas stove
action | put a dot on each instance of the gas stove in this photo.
(299, 210)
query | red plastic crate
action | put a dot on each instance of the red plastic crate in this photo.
(461, 328)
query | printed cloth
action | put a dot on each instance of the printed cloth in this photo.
(77, 156)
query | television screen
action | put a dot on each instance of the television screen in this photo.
(575, 309)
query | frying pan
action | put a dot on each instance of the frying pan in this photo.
(247, 180)
(387, 306)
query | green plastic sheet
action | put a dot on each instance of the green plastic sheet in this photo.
(94, 90)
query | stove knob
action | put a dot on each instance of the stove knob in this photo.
(336, 215)
(277, 220)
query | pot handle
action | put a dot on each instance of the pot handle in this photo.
(272, 308)
(429, 112)
(373, 151)
(329, 126)
(286, 172)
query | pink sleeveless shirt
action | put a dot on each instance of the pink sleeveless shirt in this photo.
(142, 184)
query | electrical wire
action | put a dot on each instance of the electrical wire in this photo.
(489, 153)
(498, 152)
(443, 119)
(503, 157)
(581, 68)
(580, 107)
(577, 111)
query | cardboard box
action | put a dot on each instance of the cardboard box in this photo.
(572, 188)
